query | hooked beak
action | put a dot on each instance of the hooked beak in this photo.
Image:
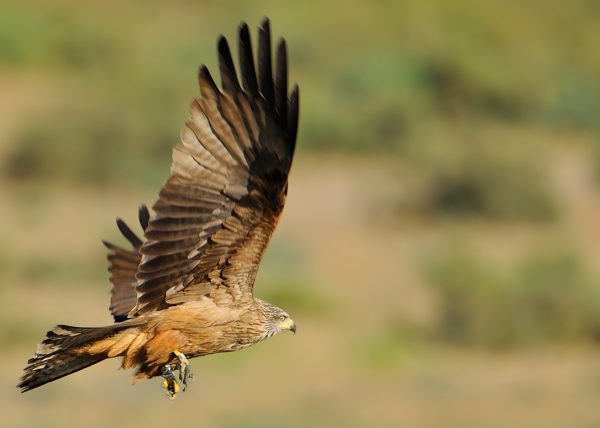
(290, 325)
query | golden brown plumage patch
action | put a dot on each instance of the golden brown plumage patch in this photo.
(187, 285)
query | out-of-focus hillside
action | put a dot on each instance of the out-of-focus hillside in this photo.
(440, 246)
(382, 77)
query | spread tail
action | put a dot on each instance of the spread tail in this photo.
(64, 352)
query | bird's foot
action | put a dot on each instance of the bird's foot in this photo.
(185, 371)
(170, 384)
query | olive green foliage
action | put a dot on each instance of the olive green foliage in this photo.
(375, 80)
(545, 298)
(479, 178)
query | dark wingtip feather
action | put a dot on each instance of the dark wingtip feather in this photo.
(247, 69)
(229, 79)
(281, 82)
(292, 118)
(204, 78)
(266, 22)
(265, 67)
(128, 233)
(143, 216)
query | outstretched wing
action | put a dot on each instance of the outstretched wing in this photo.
(218, 209)
(122, 266)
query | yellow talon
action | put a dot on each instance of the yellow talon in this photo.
(171, 387)
(169, 384)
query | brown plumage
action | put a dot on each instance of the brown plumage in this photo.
(187, 286)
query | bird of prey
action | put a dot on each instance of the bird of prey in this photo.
(186, 289)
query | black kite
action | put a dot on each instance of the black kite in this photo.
(186, 289)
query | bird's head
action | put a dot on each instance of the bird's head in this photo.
(277, 320)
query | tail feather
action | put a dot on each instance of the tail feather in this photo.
(57, 356)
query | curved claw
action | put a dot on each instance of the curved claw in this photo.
(185, 372)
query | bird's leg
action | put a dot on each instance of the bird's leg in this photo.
(185, 372)
(170, 384)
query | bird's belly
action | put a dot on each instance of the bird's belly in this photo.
(203, 330)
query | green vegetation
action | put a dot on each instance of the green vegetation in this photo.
(392, 343)
(546, 298)
(485, 177)
(297, 297)
(99, 156)
(373, 82)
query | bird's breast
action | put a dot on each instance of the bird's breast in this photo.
(209, 329)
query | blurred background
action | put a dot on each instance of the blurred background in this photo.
(440, 248)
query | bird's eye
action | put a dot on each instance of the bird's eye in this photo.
(282, 317)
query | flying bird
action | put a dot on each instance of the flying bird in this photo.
(186, 289)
